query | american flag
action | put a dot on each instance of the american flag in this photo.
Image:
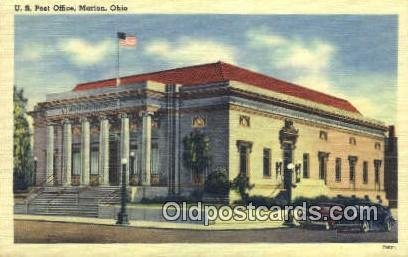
(127, 40)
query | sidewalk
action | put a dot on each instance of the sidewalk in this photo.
(248, 225)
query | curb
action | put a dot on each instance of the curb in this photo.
(150, 225)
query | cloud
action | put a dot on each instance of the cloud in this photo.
(188, 51)
(309, 62)
(37, 82)
(306, 62)
(261, 37)
(374, 94)
(318, 82)
(84, 53)
(34, 52)
(314, 58)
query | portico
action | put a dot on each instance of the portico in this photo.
(97, 165)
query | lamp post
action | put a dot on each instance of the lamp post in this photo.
(288, 175)
(35, 171)
(288, 136)
(122, 216)
(132, 163)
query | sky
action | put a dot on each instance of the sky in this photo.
(348, 56)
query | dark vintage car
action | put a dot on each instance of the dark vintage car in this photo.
(325, 220)
(384, 221)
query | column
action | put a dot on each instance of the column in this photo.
(49, 179)
(146, 146)
(104, 151)
(85, 151)
(124, 143)
(67, 153)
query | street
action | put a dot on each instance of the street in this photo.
(28, 231)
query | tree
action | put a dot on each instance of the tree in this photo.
(196, 155)
(22, 153)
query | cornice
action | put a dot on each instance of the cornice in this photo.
(282, 117)
(306, 109)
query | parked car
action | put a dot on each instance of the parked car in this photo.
(384, 221)
(325, 220)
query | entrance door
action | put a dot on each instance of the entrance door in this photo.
(114, 162)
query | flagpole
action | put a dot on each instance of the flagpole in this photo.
(123, 40)
(117, 60)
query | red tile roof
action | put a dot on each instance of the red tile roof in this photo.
(220, 72)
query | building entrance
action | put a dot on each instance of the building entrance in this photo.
(114, 163)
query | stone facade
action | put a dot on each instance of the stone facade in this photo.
(145, 123)
(263, 133)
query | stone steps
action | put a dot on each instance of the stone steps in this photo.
(73, 201)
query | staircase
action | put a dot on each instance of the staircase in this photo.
(72, 201)
(102, 195)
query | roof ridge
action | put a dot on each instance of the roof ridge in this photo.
(222, 71)
(283, 81)
(151, 73)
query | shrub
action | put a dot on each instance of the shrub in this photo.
(22, 180)
(217, 183)
(259, 200)
(241, 185)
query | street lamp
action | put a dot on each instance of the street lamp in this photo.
(35, 171)
(122, 216)
(288, 136)
(289, 174)
(291, 166)
(132, 162)
(132, 168)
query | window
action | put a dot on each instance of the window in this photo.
(338, 169)
(244, 149)
(352, 164)
(267, 162)
(323, 158)
(323, 135)
(94, 162)
(377, 146)
(154, 166)
(305, 165)
(352, 172)
(243, 161)
(244, 121)
(76, 163)
(365, 172)
(133, 162)
(377, 166)
(352, 141)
